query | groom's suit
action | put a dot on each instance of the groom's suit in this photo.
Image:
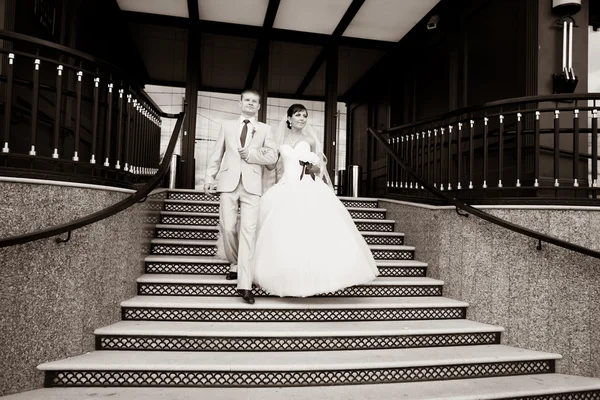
(240, 185)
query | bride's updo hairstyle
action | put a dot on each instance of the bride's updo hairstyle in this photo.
(294, 108)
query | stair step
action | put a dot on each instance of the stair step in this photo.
(212, 219)
(159, 264)
(222, 369)
(208, 248)
(212, 207)
(194, 195)
(274, 309)
(293, 336)
(199, 232)
(538, 386)
(217, 285)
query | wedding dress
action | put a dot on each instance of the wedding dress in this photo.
(307, 242)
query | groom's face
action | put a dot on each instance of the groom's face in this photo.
(250, 103)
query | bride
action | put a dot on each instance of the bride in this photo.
(306, 241)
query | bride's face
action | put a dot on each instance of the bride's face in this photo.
(298, 119)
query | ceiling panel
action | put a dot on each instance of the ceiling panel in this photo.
(245, 12)
(288, 64)
(316, 16)
(175, 8)
(225, 60)
(388, 20)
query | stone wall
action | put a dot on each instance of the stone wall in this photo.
(53, 296)
(547, 300)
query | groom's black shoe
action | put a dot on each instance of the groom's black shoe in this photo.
(247, 296)
(231, 276)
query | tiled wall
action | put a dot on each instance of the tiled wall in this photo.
(213, 108)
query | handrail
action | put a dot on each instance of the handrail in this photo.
(500, 103)
(109, 211)
(474, 211)
(18, 37)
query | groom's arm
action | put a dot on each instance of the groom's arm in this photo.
(265, 155)
(214, 162)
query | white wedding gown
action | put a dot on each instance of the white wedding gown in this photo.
(306, 241)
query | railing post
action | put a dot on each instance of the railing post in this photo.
(35, 104)
(127, 133)
(450, 157)
(8, 100)
(434, 161)
(485, 151)
(459, 154)
(519, 132)
(501, 151)
(594, 150)
(412, 152)
(95, 119)
(471, 152)
(59, 79)
(536, 166)
(575, 148)
(402, 172)
(442, 158)
(109, 102)
(77, 116)
(556, 148)
(120, 129)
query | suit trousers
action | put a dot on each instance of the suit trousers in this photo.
(239, 245)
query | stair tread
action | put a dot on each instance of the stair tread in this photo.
(295, 329)
(126, 360)
(196, 242)
(501, 387)
(220, 279)
(366, 209)
(367, 199)
(188, 227)
(223, 302)
(214, 260)
(211, 202)
(216, 228)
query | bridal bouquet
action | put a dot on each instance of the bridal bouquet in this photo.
(307, 160)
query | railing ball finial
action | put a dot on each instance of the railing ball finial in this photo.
(519, 116)
(537, 115)
(11, 58)
(576, 113)
(501, 119)
(556, 114)
(59, 70)
(37, 63)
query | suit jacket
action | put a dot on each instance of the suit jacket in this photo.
(226, 165)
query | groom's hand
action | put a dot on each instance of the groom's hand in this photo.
(210, 189)
(244, 153)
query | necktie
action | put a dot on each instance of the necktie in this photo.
(244, 132)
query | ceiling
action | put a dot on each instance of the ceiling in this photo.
(296, 33)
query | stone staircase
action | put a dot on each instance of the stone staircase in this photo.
(188, 328)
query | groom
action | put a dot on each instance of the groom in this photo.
(244, 145)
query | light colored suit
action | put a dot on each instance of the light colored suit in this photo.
(240, 186)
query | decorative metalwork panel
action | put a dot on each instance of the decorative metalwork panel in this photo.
(367, 214)
(186, 343)
(154, 205)
(290, 315)
(192, 196)
(186, 234)
(359, 203)
(173, 289)
(149, 233)
(186, 268)
(375, 226)
(393, 254)
(389, 240)
(181, 250)
(293, 378)
(403, 272)
(588, 395)
(202, 208)
(182, 220)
